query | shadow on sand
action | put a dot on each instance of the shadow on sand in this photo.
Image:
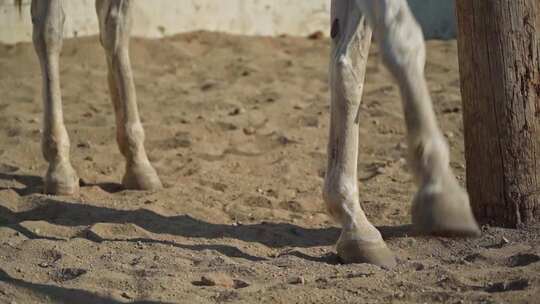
(275, 235)
(63, 295)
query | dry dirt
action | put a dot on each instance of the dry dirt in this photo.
(237, 129)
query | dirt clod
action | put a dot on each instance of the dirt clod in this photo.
(217, 279)
(298, 280)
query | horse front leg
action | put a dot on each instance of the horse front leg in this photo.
(48, 23)
(360, 241)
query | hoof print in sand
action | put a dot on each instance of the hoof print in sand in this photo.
(220, 280)
(520, 284)
(68, 274)
(521, 260)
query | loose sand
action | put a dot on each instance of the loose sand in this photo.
(237, 129)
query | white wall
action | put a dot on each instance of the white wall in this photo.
(156, 18)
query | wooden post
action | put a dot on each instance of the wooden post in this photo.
(499, 51)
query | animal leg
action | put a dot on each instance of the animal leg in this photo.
(48, 22)
(441, 205)
(115, 26)
(360, 241)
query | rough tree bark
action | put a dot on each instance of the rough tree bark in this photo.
(499, 50)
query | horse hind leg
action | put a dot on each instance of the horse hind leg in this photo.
(441, 206)
(115, 26)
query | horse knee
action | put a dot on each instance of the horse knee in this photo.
(403, 47)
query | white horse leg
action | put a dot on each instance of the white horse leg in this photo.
(441, 206)
(115, 26)
(360, 241)
(48, 22)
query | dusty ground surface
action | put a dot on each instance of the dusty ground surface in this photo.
(237, 129)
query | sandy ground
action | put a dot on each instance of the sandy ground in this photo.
(237, 129)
